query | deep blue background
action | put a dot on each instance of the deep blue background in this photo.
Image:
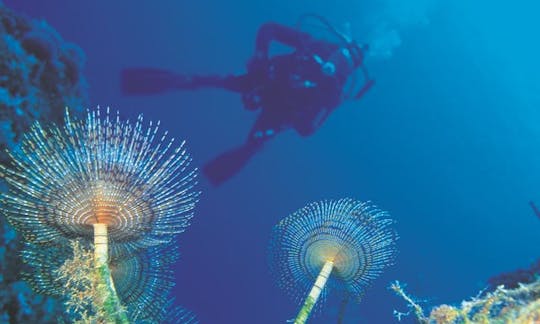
(447, 141)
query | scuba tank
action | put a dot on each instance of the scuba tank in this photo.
(344, 61)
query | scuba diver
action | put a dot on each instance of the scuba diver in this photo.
(296, 90)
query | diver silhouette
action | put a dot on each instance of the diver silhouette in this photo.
(296, 90)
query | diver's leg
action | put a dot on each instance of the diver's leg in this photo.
(268, 124)
(236, 83)
(146, 81)
(307, 121)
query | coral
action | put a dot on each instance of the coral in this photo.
(399, 289)
(340, 244)
(32, 87)
(517, 305)
(511, 297)
(514, 278)
(444, 314)
(40, 75)
(520, 276)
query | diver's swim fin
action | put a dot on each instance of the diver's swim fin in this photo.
(147, 81)
(229, 163)
(535, 209)
(369, 84)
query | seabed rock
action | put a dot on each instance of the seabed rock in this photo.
(520, 305)
(40, 75)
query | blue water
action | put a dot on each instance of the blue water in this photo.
(447, 141)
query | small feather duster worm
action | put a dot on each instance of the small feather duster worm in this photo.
(356, 237)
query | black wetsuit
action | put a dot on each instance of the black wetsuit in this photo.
(297, 90)
(290, 89)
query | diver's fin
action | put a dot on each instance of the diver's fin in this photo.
(535, 209)
(147, 81)
(229, 163)
(369, 84)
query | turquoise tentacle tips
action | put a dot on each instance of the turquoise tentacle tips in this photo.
(340, 245)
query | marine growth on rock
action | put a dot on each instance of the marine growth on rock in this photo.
(40, 74)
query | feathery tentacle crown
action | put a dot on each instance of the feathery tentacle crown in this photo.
(355, 235)
(100, 170)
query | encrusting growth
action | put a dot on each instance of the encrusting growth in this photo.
(142, 280)
(340, 244)
(519, 305)
(118, 185)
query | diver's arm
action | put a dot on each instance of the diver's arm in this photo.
(283, 34)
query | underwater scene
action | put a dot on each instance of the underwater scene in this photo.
(269, 161)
